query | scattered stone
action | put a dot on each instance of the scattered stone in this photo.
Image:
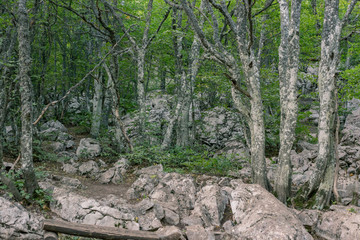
(149, 222)
(69, 168)
(152, 170)
(171, 217)
(53, 124)
(175, 192)
(89, 168)
(192, 220)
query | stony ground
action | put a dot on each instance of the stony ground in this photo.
(95, 190)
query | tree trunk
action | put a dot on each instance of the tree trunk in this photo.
(97, 106)
(288, 70)
(322, 181)
(26, 99)
(141, 90)
(115, 109)
(184, 124)
(242, 27)
(3, 89)
(178, 109)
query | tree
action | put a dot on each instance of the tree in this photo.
(321, 183)
(26, 99)
(242, 28)
(288, 74)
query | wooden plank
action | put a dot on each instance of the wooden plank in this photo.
(94, 231)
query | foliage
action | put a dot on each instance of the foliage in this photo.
(352, 87)
(184, 160)
(40, 197)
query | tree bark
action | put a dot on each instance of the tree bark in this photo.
(26, 99)
(288, 74)
(97, 106)
(3, 88)
(115, 109)
(321, 184)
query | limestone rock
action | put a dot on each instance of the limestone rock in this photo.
(53, 124)
(210, 205)
(197, 232)
(88, 148)
(149, 222)
(259, 215)
(89, 168)
(171, 217)
(18, 223)
(175, 192)
(342, 223)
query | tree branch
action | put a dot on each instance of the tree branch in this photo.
(236, 86)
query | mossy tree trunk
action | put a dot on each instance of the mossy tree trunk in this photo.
(288, 70)
(320, 186)
(26, 149)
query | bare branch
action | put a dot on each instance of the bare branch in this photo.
(236, 86)
(160, 25)
(268, 5)
(348, 12)
(81, 16)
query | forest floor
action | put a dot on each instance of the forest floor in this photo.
(91, 188)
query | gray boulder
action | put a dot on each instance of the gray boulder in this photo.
(115, 174)
(53, 124)
(341, 223)
(90, 168)
(197, 232)
(149, 178)
(18, 223)
(175, 192)
(88, 148)
(259, 215)
(210, 205)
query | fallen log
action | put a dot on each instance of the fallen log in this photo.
(85, 230)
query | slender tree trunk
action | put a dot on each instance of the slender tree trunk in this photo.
(3, 89)
(288, 73)
(26, 99)
(141, 89)
(184, 125)
(115, 110)
(321, 183)
(97, 106)
(178, 109)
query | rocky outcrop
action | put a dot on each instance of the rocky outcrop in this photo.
(258, 214)
(219, 128)
(18, 223)
(88, 148)
(99, 170)
(222, 129)
(148, 179)
(341, 223)
(55, 138)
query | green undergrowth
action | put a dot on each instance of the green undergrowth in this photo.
(184, 160)
(40, 197)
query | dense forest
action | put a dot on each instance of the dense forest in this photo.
(146, 79)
